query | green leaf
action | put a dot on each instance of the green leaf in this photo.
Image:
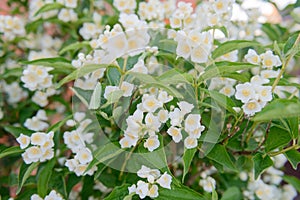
(174, 77)
(232, 193)
(293, 181)
(289, 44)
(261, 162)
(182, 193)
(294, 127)
(48, 7)
(114, 76)
(294, 157)
(104, 153)
(83, 95)
(44, 177)
(222, 68)
(24, 174)
(74, 46)
(277, 138)
(11, 151)
(222, 100)
(58, 125)
(118, 193)
(113, 97)
(15, 72)
(80, 73)
(279, 109)
(150, 81)
(96, 97)
(220, 155)
(187, 160)
(59, 63)
(16, 131)
(214, 195)
(229, 46)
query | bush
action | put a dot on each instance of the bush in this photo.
(130, 99)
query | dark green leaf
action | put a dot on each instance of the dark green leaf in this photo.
(293, 181)
(294, 157)
(44, 177)
(24, 174)
(220, 69)
(290, 43)
(11, 151)
(261, 162)
(74, 46)
(118, 193)
(48, 7)
(277, 138)
(232, 193)
(187, 160)
(182, 193)
(229, 46)
(16, 131)
(279, 109)
(294, 127)
(220, 155)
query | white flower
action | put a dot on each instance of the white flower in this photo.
(175, 133)
(183, 49)
(1, 114)
(127, 88)
(152, 122)
(67, 15)
(175, 22)
(264, 92)
(127, 142)
(269, 60)
(165, 181)
(266, 74)
(153, 191)
(244, 92)
(200, 54)
(150, 103)
(145, 172)
(109, 89)
(208, 184)
(35, 197)
(71, 164)
(126, 6)
(142, 189)
(163, 116)
(140, 67)
(185, 107)
(71, 3)
(164, 97)
(190, 142)
(192, 122)
(40, 98)
(80, 169)
(152, 143)
(35, 124)
(176, 117)
(221, 6)
(132, 189)
(41, 115)
(257, 79)
(48, 154)
(84, 156)
(251, 107)
(197, 132)
(252, 57)
(53, 195)
(33, 154)
(38, 138)
(228, 90)
(23, 140)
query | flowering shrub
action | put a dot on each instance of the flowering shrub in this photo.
(126, 99)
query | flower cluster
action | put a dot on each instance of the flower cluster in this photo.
(52, 195)
(267, 186)
(41, 148)
(11, 27)
(149, 188)
(76, 140)
(254, 96)
(38, 122)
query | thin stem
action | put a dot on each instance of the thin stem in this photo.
(285, 63)
(272, 154)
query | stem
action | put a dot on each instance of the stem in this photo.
(272, 154)
(285, 63)
(126, 160)
(265, 138)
